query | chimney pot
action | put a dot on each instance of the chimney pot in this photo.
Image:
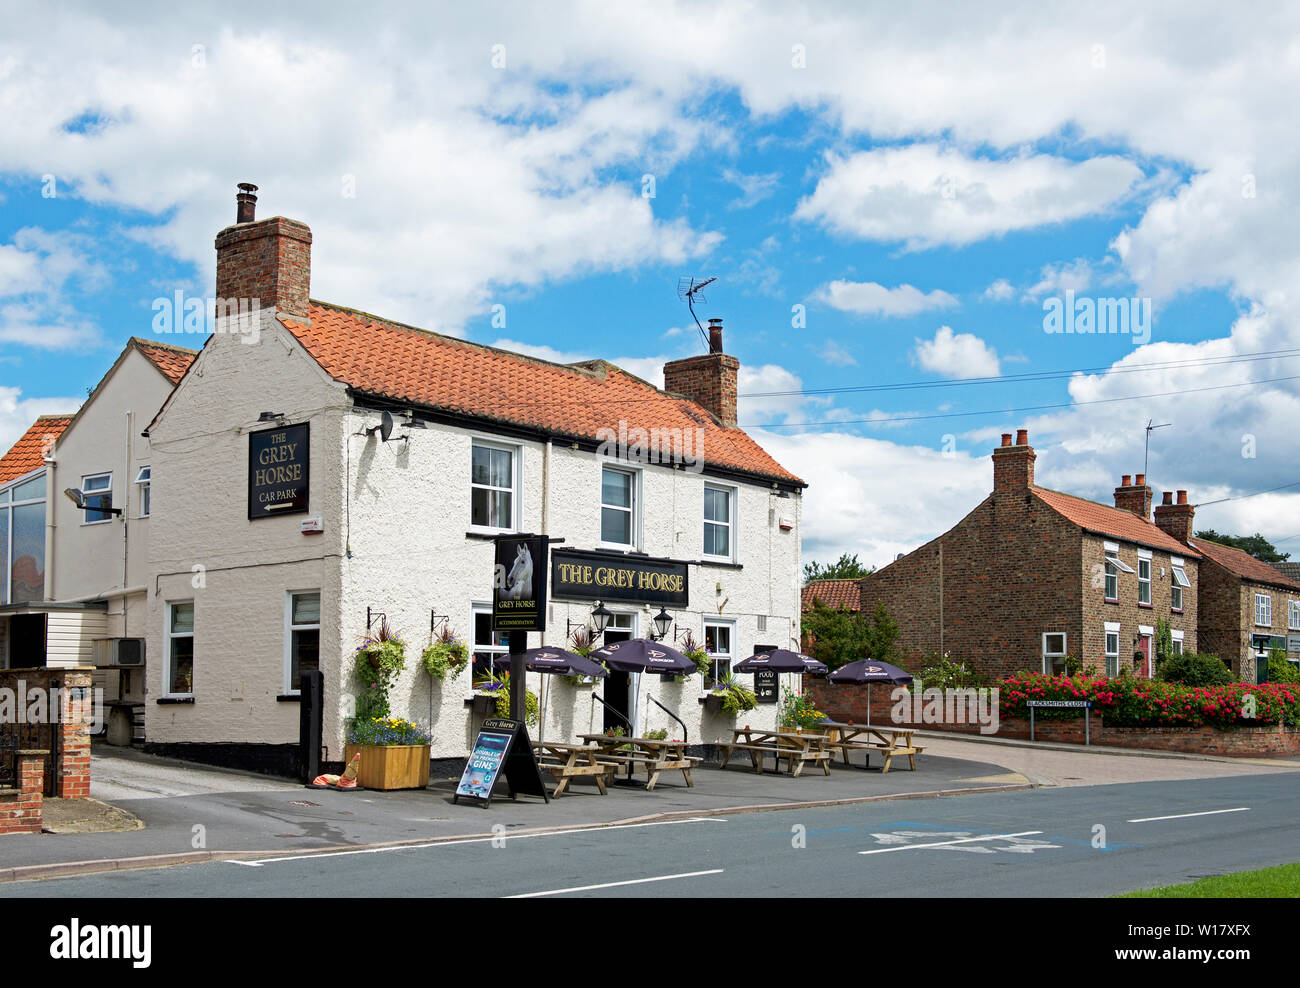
(1126, 480)
(246, 203)
(1006, 439)
(715, 336)
(1182, 497)
(1141, 480)
(1022, 437)
(1168, 498)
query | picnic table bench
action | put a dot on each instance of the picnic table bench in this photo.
(889, 741)
(650, 755)
(566, 762)
(797, 749)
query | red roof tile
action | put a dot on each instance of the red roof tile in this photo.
(1106, 520)
(28, 453)
(412, 365)
(839, 595)
(1243, 564)
(173, 361)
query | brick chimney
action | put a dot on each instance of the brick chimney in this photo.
(1134, 497)
(268, 260)
(709, 379)
(1175, 520)
(1013, 465)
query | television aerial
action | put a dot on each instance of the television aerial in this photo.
(689, 290)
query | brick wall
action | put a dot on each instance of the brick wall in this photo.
(22, 808)
(68, 739)
(709, 380)
(269, 261)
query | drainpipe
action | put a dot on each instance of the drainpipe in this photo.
(51, 487)
(126, 524)
(941, 600)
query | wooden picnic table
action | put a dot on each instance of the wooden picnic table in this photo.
(889, 741)
(797, 749)
(571, 761)
(650, 755)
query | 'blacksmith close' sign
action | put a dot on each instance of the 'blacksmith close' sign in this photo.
(596, 576)
(278, 471)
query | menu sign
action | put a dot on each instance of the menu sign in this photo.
(599, 576)
(279, 471)
(502, 745)
(519, 583)
(765, 685)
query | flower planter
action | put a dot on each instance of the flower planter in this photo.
(713, 703)
(485, 703)
(391, 766)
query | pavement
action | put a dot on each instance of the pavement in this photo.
(194, 814)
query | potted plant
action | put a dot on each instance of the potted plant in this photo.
(694, 651)
(492, 695)
(580, 641)
(378, 661)
(446, 655)
(798, 714)
(394, 753)
(729, 697)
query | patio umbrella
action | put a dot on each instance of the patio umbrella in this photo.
(643, 655)
(782, 660)
(560, 662)
(870, 671)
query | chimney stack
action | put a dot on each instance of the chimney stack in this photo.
(1134, 497)
(1013, 466)
(264, 263)
(709, 379)
(1175, 520)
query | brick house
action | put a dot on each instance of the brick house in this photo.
(1032, 575)
(1246, 606)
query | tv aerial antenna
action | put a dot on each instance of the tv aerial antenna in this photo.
(689, 290)
(1146, 456)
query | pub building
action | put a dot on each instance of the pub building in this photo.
(318, 471)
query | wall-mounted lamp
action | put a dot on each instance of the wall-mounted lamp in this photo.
(277, 417)
(600, 618)
(660, 623)
(78, 498)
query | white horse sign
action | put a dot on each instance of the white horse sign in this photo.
(519, 583)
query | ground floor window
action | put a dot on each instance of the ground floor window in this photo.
(303, 638)
(1054, 653)
(491, 648)
(718, 642)
(1112, 649)
(1177, 638)
(179, 672)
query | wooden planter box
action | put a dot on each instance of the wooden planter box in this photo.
(385, 766)
(485, 703)
(713, 703)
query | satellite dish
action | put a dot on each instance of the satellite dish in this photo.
(386, 426)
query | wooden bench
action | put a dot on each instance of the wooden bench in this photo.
(886, 740)
(797, 749)
(566, 762)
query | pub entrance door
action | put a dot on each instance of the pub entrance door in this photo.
(619, 685)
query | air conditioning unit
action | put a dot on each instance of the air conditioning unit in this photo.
(119, 652)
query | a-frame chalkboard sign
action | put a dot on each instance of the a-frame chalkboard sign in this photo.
(502, 746)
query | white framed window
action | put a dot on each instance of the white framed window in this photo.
(719, 642)
(143, 481)
(1177, 639)
(1144, 577)
(97, 488)
(719, 521)
(491, 651)
(1112, 648)
(1114, 566)
(178, 670)
(1054, 653)
(1263, 610)
(1179, 583)
(301, 637)
(618, 507)
(1293, 615)
(494, 486)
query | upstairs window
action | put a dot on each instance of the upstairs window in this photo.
(492, 486)
(98, 491)
(143, 480)
(1114, 566)
(718, 521)
(617, 507)
(1180, 583)
(1263, 610)
(1293, 615)
(1144, 580)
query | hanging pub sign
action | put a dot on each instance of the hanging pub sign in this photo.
(502, 745)
(582, 575)
(278, 471)
(519, 583)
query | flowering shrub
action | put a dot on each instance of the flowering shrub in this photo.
(1130, 702)
(378, 661)
(447, 655)
(797, 710)
(500, 689)
(387, 731)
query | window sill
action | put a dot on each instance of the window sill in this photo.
(289, 698)
(1110, 600)
(487, 534)
(1175, 610)
(726, 563)
(1145, 607)
(174, 699)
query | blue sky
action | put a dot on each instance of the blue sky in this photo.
(919, 186)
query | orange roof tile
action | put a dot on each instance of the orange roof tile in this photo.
(1243, 564)
(173, 361)
(1106, 520)
(839, 595)
(391, 360)
(28, 453)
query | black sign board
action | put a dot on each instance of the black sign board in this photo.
(519, 583)
(502, 744)
(279, 475)
(765, 685)
(582, 575)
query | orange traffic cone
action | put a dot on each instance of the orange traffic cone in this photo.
(349, 778)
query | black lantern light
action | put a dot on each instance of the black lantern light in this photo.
(661, 621)
(600, 618)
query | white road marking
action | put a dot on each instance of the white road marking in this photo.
(612, 885)
(1183, 816)
(949, 843)
(259, 862)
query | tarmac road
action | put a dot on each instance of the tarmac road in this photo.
(1042, 842)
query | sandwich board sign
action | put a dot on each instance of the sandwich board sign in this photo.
(502, 746)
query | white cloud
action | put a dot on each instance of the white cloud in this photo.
(999, 291)
(957, 355)
(35, 270)
(833, 353)
(924, 195)
(871, 298)
(18, 413)
(1056, 279)
(753, 188)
